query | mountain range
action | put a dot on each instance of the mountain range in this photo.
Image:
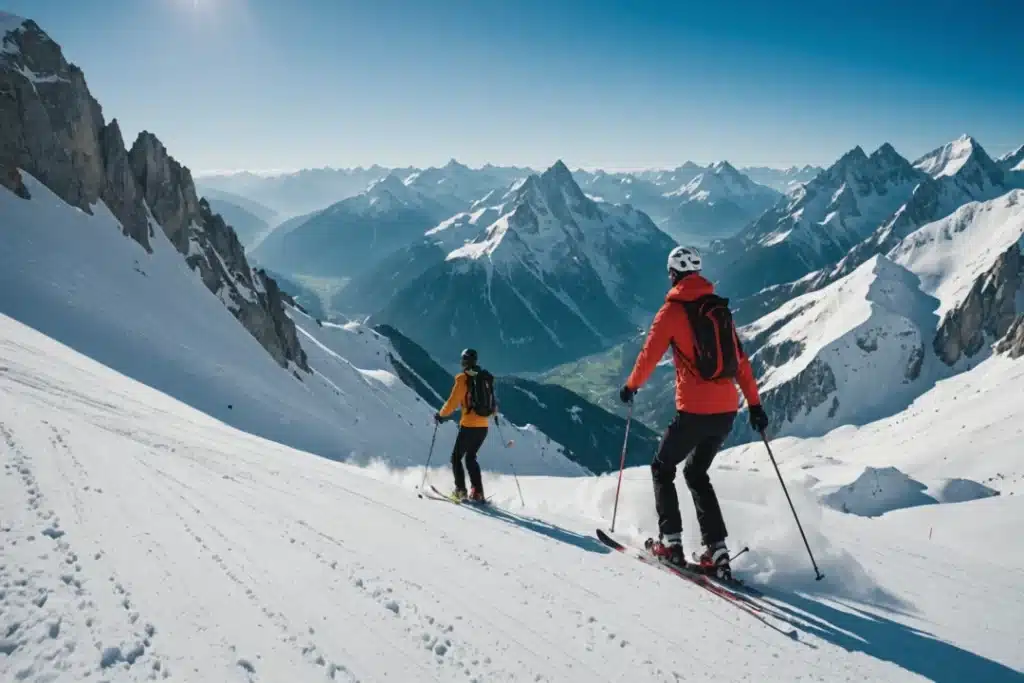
(884, 301)
(112, 252)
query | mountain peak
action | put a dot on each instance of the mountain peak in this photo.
(559, 168)
(454, 165)
(953, 157)
(390, 183)
(725, 168)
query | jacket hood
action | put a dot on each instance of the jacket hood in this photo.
(690, 288)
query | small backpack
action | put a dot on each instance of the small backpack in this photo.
(480, 393)
(715, 350)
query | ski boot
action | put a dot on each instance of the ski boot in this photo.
(458, 495)
(477, 495)
(714, 561)
(668, 551)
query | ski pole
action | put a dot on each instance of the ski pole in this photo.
(501, 436)
(516, 476)
(818, 576)
(622, 465)
(429, 456)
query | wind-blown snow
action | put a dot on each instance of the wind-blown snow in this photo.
(950, 254)
(144, 540)
(77, 278)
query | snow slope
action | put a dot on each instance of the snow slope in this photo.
(143, 540)
(76, 278)
(950, 254)
(852, 352)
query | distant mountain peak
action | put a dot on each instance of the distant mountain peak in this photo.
(391, 183)
(559, 173)
(954, 157)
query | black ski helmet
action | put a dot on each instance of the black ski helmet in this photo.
(468, 358)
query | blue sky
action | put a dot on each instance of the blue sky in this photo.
(283, 84)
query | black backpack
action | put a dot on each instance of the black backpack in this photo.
(715, 344)
(480, 393)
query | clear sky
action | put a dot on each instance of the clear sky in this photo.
(285, 84)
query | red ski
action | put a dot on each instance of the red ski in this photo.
(741, 601)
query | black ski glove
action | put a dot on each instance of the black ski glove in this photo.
(438, 419)
(626, 394)
(758, 418)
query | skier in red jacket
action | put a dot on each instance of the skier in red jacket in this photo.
(709, 361)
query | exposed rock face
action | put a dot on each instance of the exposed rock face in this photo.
(805, 392)
(988, 312)
(1013, 343)
(52, 128)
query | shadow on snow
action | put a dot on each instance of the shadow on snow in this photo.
(556, 533)
(856, 630)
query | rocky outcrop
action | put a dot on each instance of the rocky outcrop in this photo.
(814, 386)
(52, 128)
(1013, 343)
(986, 314)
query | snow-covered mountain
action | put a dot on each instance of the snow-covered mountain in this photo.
(115, 257)
(863, 347)
(248, 226)
(816, 224)
(456, 187)
(624, 188)
(1013, 161)
(554, 276)
(716, 204)
(668, 179)
(57, 136)
(300, 192)
(783, 180)
(954, 174)
(351, 236)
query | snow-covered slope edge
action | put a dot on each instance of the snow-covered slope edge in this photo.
(862, 347)
(57, 135)
(75, 278)
(143, 540)
(590, 435)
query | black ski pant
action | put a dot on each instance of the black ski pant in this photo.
(467, 443)
(693, 440)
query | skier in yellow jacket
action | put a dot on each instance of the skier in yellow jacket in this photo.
(473, 393)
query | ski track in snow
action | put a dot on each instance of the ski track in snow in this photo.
(140, 545)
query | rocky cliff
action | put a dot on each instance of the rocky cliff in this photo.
(52, 128)
(988, 313)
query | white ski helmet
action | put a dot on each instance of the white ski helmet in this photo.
(684, 260)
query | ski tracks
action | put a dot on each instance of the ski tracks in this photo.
(54, 620)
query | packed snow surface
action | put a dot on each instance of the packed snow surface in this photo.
(144, 540)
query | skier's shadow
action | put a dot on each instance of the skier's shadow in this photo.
(856, 630)
(553, 532)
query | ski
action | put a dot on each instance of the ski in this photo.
(437, 495)
(740, 601)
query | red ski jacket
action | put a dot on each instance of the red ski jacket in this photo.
(671, 327)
